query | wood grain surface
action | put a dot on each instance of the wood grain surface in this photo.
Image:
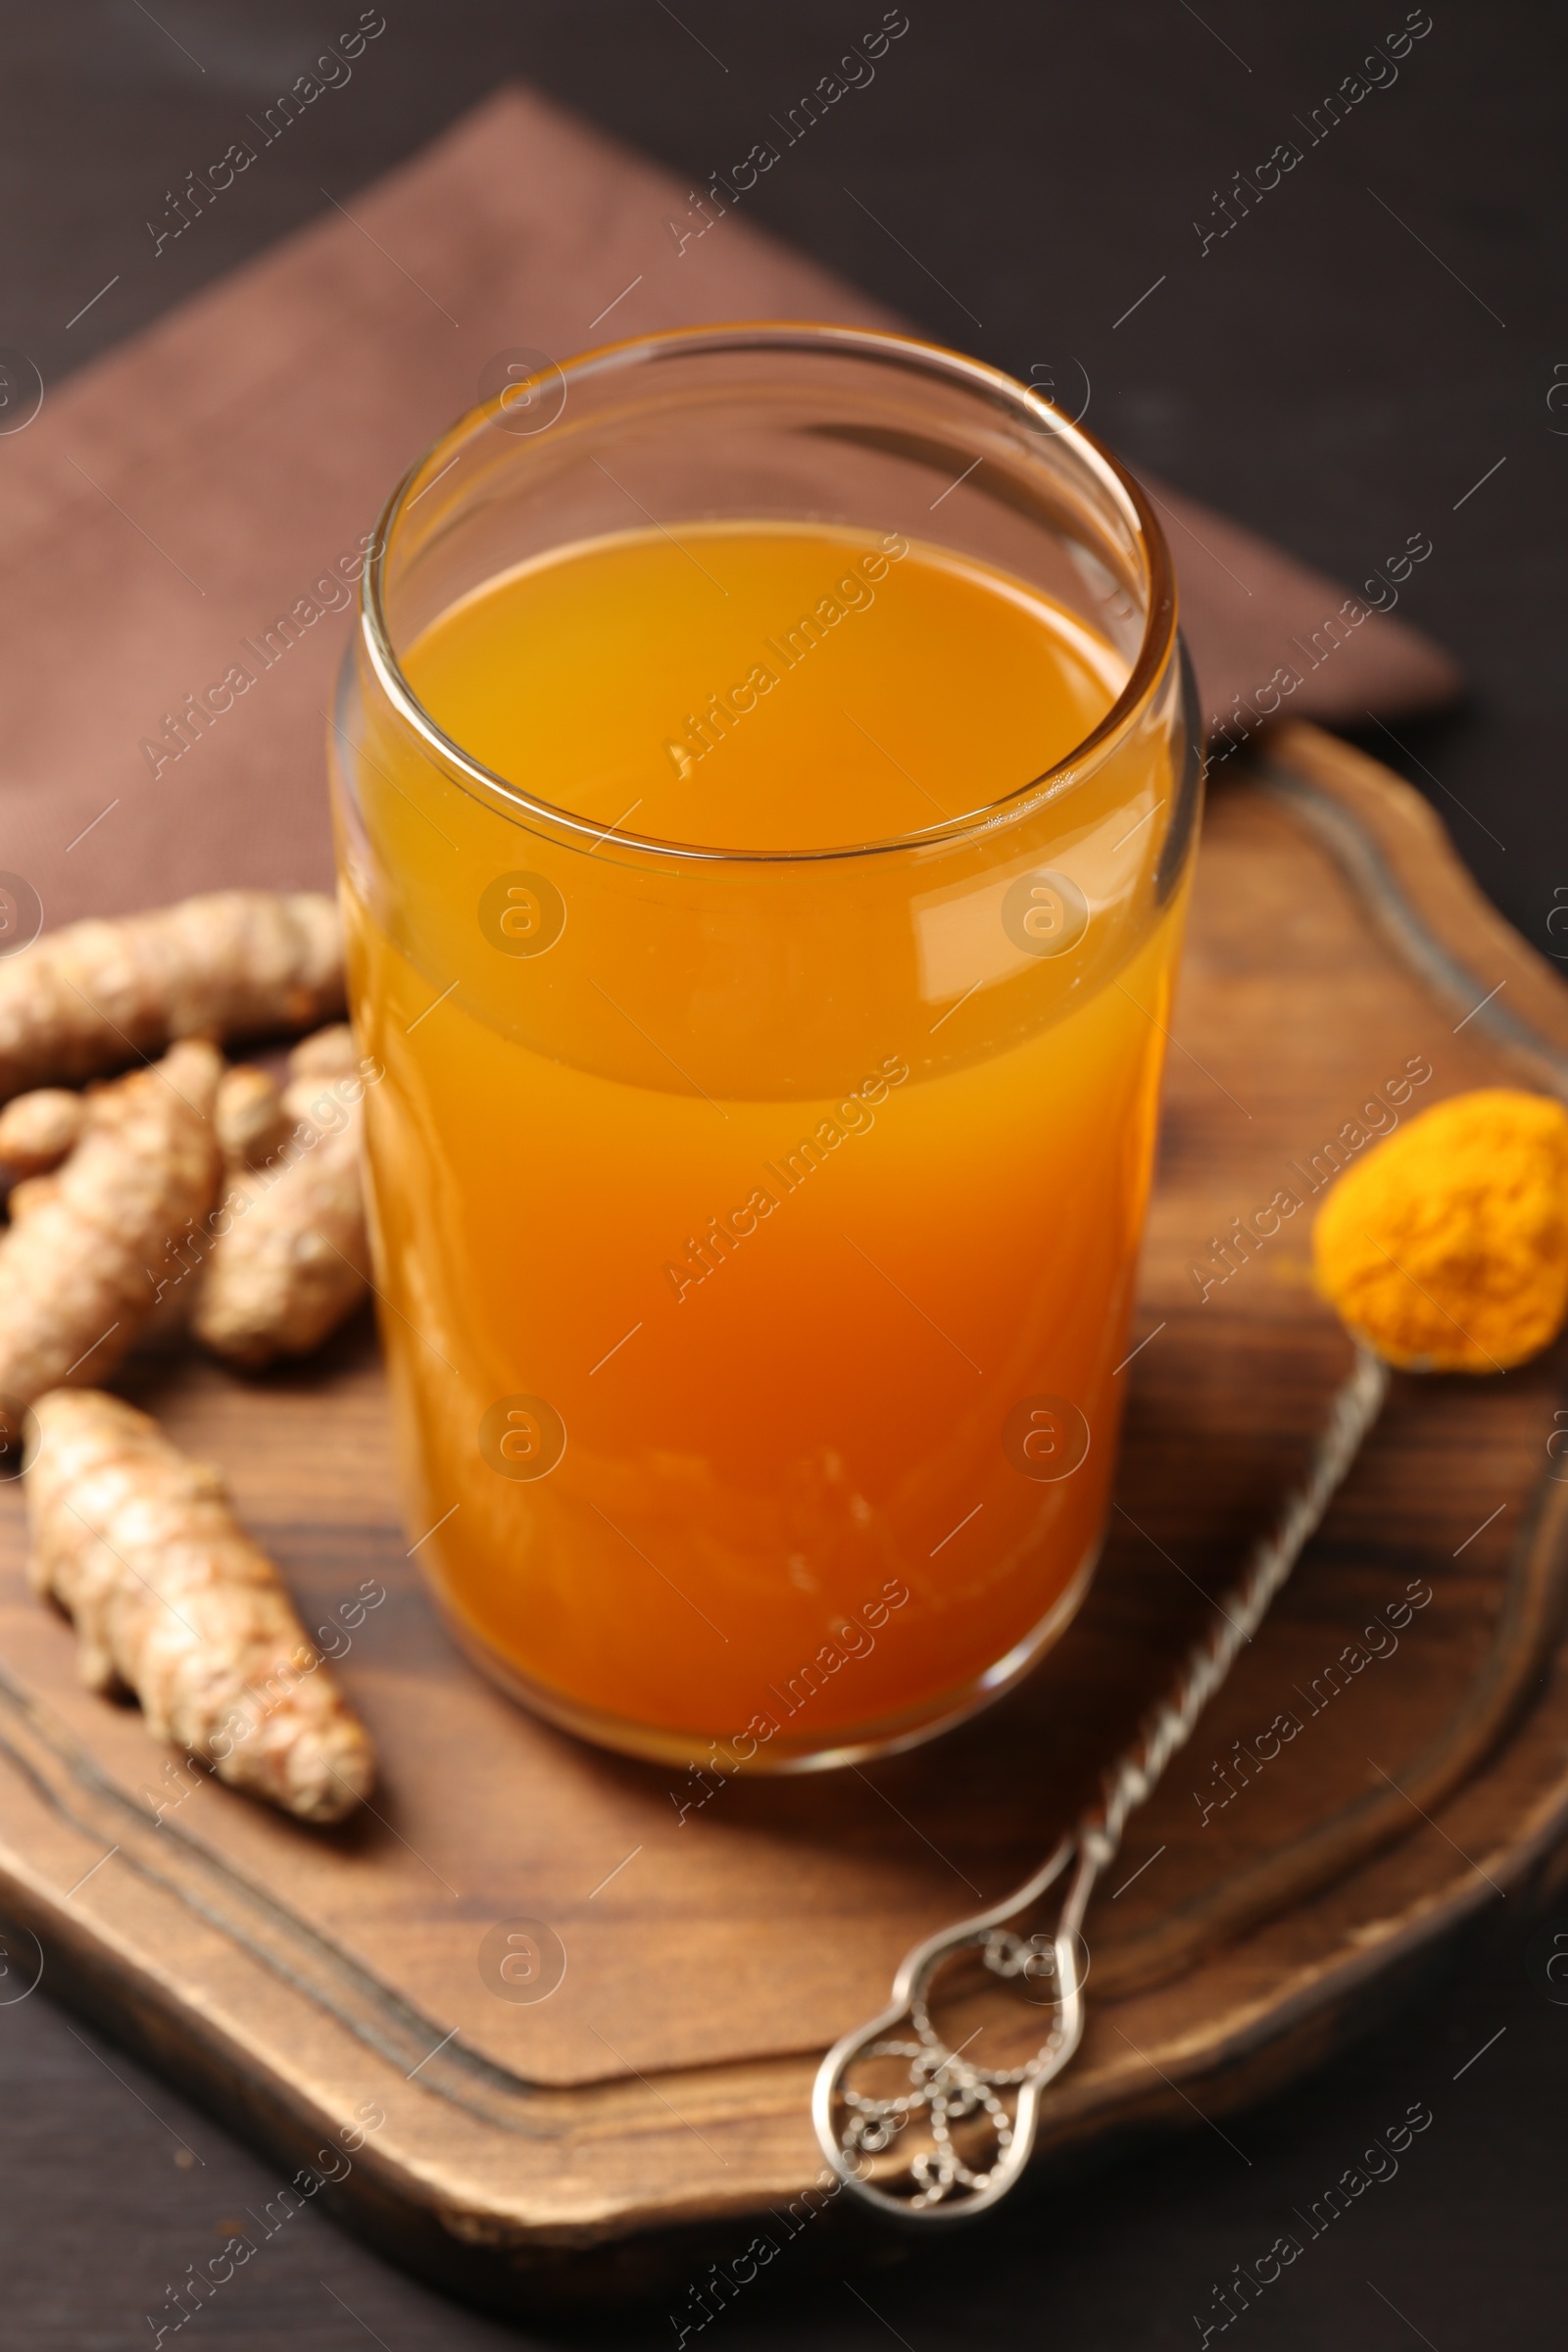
(656, 2104)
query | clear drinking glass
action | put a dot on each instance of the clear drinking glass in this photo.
(755, 1219)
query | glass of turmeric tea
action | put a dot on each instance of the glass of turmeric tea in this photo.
(765, 780)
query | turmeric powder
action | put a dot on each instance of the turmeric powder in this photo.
(1446, 1250)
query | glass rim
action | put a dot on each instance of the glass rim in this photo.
(912, 352)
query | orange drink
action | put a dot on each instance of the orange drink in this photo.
(764, 905)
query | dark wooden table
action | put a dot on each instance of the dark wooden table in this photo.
(1333, 372)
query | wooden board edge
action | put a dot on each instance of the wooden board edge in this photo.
(1399, 855)
(1504, 1690)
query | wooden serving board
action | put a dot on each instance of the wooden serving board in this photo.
(639, 2123)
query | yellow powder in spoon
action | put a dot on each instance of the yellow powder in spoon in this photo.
(1446, 1250)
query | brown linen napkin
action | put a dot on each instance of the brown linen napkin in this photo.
(221, 469)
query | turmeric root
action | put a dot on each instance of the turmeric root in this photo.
(327, 1053)
(174, 1602)
(249, 1118)
(292, 1260)
(95, 995)
(30, 1193)
(37, 1130)
(74, 1267)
